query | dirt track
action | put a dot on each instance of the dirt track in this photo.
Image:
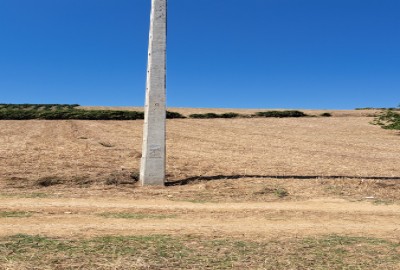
(80, 218)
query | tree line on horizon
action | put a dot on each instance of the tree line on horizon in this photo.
(388, 118)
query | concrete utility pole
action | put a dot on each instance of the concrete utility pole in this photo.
(152, 170)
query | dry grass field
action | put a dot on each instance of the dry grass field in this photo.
(304, 193)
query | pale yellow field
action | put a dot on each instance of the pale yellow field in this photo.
(336, 146)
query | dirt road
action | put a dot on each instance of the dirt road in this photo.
(82, 217)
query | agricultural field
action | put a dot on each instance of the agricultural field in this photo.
(241, 193)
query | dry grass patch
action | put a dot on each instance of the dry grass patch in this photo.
(191, 252)
(210, 190)
(29, 195)
(14, 214)
(273, 189)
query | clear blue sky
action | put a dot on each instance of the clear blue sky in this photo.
(334, 54)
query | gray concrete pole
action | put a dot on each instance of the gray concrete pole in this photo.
(152, 170)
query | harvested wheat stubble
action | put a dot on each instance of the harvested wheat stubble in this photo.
(306, 158)
(346, 147)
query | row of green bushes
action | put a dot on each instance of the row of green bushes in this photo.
(70, 111)
(65, 114)
(75, 114)
(388, 119)
(276, 114)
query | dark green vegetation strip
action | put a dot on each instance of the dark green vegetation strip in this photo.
(281, 114)
(67, 112)
(276, 114)
(71, 112)
(214, 115)
(186, 252)
(372, 108)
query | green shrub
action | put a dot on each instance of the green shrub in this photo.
(204, 115)
(388, 119)
(173, 115)
(280, 114)
(325, 114)
(230, 115)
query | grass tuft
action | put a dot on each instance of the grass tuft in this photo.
(279, 192)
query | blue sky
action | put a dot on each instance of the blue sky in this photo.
(333, 54)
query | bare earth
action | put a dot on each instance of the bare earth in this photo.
(242, 178)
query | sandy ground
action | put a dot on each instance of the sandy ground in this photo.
(341, 175)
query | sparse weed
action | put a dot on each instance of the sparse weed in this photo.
(383, 202)
(279, 192)
(136, 216)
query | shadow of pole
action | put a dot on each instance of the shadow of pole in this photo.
(296, 177)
